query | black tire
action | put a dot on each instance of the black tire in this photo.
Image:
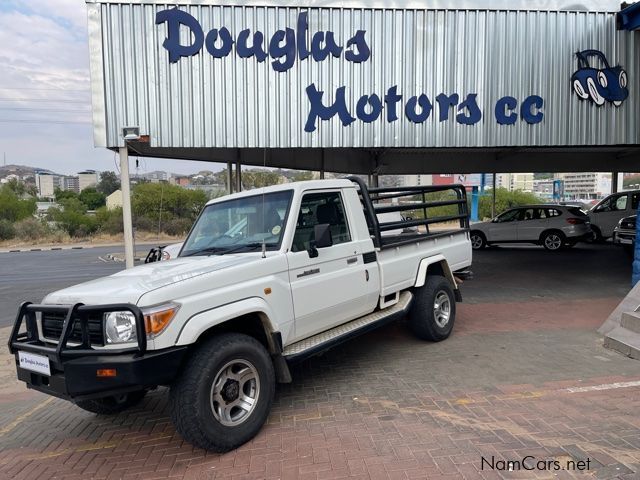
(113, 404)
(553, 241)
(597, 235)
(193, 395)
(423, 319)
(478, 240)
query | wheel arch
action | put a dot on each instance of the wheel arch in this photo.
(251, 316)
(436, 265)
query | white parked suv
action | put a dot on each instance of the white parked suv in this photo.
(552, 226)
(305, 268)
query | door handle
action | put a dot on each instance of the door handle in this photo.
(352, 260)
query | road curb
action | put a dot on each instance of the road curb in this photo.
(46, 249)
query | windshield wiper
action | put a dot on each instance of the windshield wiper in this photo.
(203, 250)
(232, 249)
(249, 246)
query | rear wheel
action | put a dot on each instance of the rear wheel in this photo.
(478, 240)
(553, 241)
(433, 311)
(223, 396)
(113, 404)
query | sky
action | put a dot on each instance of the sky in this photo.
(45, 98)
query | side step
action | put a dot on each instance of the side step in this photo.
(330, 338)
(626, 337)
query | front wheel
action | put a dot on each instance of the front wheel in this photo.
(224, 394)
(433, 311)
(112, 404)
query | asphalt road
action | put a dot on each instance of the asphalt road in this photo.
(29, 276)
(501, 274)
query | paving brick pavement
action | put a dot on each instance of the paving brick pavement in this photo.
(527, 380)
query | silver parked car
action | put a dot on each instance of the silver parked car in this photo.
(552, 226)
(606, 214)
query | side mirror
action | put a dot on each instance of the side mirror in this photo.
(322, 235)
(322, 239)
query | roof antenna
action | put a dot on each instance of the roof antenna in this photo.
(264, 245)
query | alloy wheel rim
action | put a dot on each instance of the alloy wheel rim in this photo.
(235, 392)
(553, 242)
(442, 308)
(476, 241)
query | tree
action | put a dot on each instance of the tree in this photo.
(505, 199)
(72, 218)
(108, 183)
(92, 198)
(302, 176)
(161, 201)
(64, 194)
(12, 207)
(259, 178)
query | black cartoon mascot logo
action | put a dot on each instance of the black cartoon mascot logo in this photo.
(599, 84)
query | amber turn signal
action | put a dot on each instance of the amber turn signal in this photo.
(106, 372)
(155, 321)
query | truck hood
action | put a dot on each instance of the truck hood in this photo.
(128, 286)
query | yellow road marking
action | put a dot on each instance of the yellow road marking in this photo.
(24, 416)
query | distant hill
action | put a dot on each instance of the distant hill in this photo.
(20, 170)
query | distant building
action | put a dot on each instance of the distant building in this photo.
(46, 184)
(114, 200)
(585, 185)
(43, 207)
(86, 179)
(543, 188)
(515, 181)
(416, 180)
(70, 183)
(183, 181)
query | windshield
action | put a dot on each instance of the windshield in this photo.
(242, 224)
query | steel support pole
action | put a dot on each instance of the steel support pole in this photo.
(238, 176)
(614, 182)
(322, 164)
(126, 206)
(229, 177)
(493, 201)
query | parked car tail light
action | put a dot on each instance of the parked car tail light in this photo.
(575, 221)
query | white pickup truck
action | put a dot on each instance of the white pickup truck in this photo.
(265, 278)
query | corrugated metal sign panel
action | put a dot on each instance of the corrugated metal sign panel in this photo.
(233, 102)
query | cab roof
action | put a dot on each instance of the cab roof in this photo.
(295, 186)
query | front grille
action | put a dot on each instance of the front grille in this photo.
(52, 328)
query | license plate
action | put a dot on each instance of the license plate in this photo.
(35, 363)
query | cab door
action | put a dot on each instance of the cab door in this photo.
(335, 286)
(608, 213)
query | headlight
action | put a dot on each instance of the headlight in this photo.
(157, 318)
(120, 327)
